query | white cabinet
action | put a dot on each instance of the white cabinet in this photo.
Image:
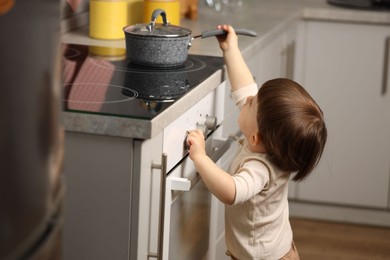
(343, 66)
(277, 54)
(102, 205)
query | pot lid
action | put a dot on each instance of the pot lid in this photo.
(157, 30)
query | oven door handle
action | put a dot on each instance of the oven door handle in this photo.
(186, 184)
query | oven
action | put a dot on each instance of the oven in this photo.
(188, 204)
(185, 221)
(190, 217)
(132, 197)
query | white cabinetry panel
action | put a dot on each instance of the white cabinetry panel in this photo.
(97, 172)
(343, 69)
(276, 57)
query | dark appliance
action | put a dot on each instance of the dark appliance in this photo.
(31, 189)
(362, 4)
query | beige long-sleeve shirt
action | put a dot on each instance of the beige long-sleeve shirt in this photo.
(257, 224)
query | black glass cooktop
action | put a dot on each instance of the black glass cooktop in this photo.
(100, 80)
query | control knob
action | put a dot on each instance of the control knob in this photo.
(209, 124)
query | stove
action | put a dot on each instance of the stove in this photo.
(100, 80)
(155, 186)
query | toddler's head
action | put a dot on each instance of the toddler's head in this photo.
(291, 126)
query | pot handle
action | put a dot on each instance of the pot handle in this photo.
(155, 14)
(216, 32)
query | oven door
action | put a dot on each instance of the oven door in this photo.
(188, 202)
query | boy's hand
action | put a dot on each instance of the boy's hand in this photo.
(228, 41)
(196, 144)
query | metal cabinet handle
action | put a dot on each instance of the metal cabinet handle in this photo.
(386, 66)
(186, 184)
(160, 242)
(288, 59)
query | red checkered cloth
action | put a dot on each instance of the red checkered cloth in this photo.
(87, 89)
(73, 4)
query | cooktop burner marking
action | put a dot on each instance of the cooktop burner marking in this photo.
(83, 99)
(106, 85)
(71, 52)
(192, 64)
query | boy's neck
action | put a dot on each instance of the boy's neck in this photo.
(258, 148)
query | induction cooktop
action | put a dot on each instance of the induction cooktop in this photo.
(100, 80)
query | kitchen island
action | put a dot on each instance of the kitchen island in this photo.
(114, 200)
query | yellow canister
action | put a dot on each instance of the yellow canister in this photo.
(107, 52)
(171, 8)
(107, 19)
(135, 12)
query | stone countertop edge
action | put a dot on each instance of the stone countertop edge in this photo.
(145, 129)
(107, 125)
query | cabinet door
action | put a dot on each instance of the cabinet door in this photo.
(343, 69)
(98, 174)
(276, 58)
(271, 60)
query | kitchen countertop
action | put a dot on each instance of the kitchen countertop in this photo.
(266, 17)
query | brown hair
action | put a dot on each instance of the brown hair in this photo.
(291, 126)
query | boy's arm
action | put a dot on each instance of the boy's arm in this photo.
(238, 72)
(218, 182)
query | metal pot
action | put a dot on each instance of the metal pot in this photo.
(163, 45)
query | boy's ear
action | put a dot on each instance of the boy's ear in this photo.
(255, 138)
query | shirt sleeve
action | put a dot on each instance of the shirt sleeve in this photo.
(239, 96)
(250, 180)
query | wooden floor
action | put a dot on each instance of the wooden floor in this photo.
(317, 240)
